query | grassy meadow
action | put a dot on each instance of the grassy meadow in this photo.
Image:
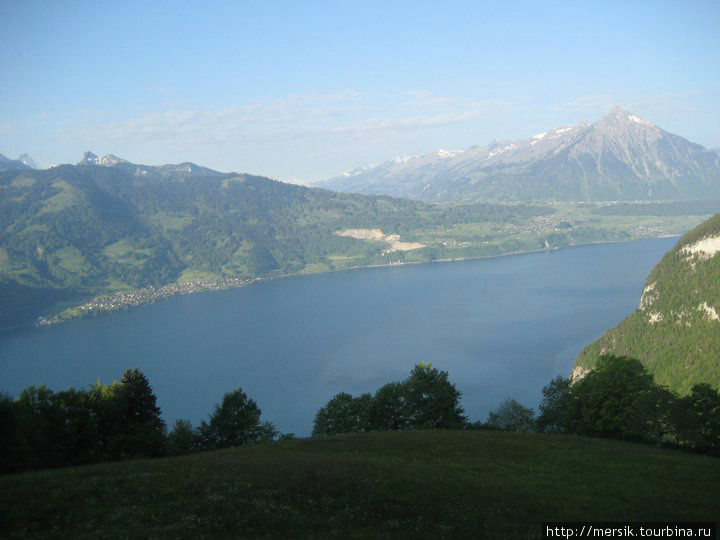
(426, 484)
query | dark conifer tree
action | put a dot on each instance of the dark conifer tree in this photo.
(140, 428)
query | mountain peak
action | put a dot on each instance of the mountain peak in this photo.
(621, 156)
(619, 112)
(357, 170)
(110, 159)
(88, 159)
(7, 164)
(443, 153)
(27, 160)
(107, 160)
(620, 115)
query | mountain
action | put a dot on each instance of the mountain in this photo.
(24, 162)
(620, 157)
(675, 331)
(27, 160)
(158, 171)
(107, 225)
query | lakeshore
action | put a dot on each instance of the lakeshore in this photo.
(107, 303)
(291, 344)
(124, 300)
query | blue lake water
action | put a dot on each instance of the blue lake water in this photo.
(501, 327)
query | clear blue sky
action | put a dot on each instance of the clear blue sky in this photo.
(307, 89)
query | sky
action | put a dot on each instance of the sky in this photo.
(301, 91)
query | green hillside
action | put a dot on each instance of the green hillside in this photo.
(437, 484)
(676, 330)
(73, 232)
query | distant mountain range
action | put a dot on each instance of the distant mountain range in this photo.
(23, 162)
(620, 157)
(160, 171)
(675, 331)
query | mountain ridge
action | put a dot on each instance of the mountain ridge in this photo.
(21, 163)
(622, 156)
(109, 226)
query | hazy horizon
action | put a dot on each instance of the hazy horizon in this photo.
(307, 90)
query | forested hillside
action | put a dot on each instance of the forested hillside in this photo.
(74, 231)
(676, 330)
(108, 226)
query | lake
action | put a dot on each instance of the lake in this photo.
(501, 327)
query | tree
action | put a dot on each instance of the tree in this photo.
(235, 422)
(651, 416)
(343, 414)
(425, 400)
(605, 402)
(698, 419)
(42, 426)
(15, 452)
(79, 426)
(432, 401)
(555, 406)
(105, 407)
(140, 430)
(512, 416)
(181, 439)
(388, 410)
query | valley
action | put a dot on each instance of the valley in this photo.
(107, 234)
(359, 270)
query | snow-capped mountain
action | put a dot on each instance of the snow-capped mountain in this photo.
(620, 157)
(110, 160)
(391, 177)
(23, 162)
(27, 160)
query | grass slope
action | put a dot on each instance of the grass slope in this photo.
(441, 484)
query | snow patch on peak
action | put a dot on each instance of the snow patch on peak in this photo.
(497, 150)
(109, 159)
(27, 160)
(404, 159)
(357, 170)
(442, 153)
(89, 159)
(538, 137)
(641, 121)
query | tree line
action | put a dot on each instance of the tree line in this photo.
(45, 429)
(619, 400)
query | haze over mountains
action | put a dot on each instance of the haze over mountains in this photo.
(620, 157)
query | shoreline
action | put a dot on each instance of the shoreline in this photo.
(108, 303)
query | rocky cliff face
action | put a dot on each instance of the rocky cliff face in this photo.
(620, 157)
(676, 328)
